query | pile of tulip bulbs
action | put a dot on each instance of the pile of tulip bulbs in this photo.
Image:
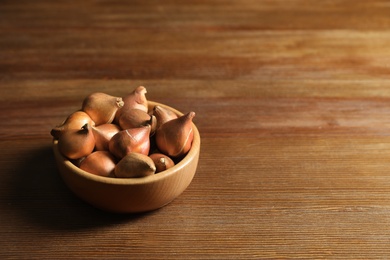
(118, 137)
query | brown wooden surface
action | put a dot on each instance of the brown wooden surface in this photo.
(293, 106)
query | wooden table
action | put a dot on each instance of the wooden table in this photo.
(292, 100)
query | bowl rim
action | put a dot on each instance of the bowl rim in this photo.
(192, 153)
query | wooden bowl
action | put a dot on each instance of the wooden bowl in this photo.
(131, 195)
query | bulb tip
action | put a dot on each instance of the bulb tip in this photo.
(191, 115)
(141, 89)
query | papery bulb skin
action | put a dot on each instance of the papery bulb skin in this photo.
(161, 161)
(134, 118)
(137, 99)
(75, 144)
(135, 165)
(174, 138)
(103, 134)
(74, 121)
(100, 163)
(163, 115)
(134, 100)
(102, 107)
(130, 140)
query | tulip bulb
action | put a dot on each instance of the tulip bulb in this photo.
(174, 138)
(103, 134)
(135, 100)
(135, 165)
(102, 107)
(74, 121)
(163, 115)
(75, 144)
(134, 118)
(161, 161)
(100, 163)
(130, 140)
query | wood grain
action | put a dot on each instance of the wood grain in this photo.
(291, 101)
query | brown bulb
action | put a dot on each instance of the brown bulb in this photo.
(100, 163)
(130, 140)
(103, 134)
(174, 138)
(101, 107)
(74, 121)
(135, 165)
(163, 115)
(161, 161)
(75, 144)
(135, 100)
(134, 118)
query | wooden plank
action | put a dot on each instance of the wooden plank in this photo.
(291, 101)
